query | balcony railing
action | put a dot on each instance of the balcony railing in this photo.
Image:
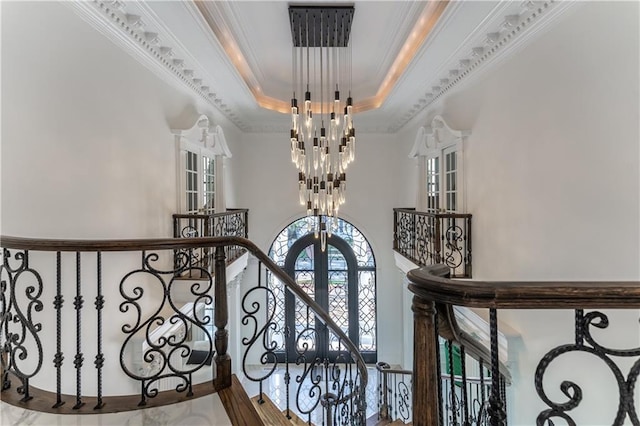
(434, 297)
(232, 223)
(79, 327)
(431, 238)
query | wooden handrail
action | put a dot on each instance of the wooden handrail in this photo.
(58, 245)
(412, 210)
(228, 212)
(435, 294)
(429, 283)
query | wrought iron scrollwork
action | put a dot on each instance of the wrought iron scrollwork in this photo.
(164, 351)
(230, 224)
(21, 290)
(259, 303)
(454, 238)
(309, 390)
(345, 387)
(424, 236)
(404, 232)
(626, 385)
(428, 238)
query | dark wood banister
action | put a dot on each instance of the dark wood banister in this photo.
(429, 283)
(55, 245)
(434, 293)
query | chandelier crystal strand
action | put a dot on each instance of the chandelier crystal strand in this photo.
(322, 144)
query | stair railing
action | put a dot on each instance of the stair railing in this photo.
(132, 284)
(434, 296)
(394, 393)
(464, 387)
(320, 388)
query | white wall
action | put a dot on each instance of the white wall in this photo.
(270, 193)
(86, 139)
(87, 152)
(553, 183)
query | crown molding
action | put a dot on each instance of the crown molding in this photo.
(135, 29)
(498, 38)
(399, 38)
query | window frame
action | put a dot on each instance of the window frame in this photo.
(184, 148)
(435, 142)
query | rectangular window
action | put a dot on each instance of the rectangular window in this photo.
(433, 184)
(191, 179)
(209, 188)
(442, 186)
(451, 178)
(199, 186)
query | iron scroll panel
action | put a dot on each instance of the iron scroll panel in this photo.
(429, 238)
(20, 323)
(586, 343)
(165, 356)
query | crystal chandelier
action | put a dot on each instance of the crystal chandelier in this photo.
(322, 134)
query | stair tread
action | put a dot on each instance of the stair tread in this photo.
(294, 418)
(237, 404)
(269, 412)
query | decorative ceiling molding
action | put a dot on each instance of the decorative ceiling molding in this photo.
(134, 28)
(511, 34)
(224, 27)
(227, 30)
(422, 29)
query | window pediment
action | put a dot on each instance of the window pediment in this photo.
(203, 135)
(435, 137)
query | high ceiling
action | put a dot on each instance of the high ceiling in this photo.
(406, 54)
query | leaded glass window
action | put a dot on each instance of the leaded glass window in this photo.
(342, 279)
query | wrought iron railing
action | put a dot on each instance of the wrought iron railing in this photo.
(465, 385)
(428, 238)
(232, 223)
(322, 384)
(464, 398)
(67, 304)
(434, 297)
(394, 393)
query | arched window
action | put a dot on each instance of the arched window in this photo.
(341, 279)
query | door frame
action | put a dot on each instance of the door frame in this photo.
(321, 287)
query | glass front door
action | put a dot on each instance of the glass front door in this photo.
(329, 278)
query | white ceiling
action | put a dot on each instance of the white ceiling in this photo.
(240, 51)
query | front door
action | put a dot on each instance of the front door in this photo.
(330, 278)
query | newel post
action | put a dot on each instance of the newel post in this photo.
(426, 406)
(221, 318)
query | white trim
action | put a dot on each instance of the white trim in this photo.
(432, 141)
(404, 264)
(510, 28)
(420, 144)
(220, 146)
(203, 140)
(135, 29)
